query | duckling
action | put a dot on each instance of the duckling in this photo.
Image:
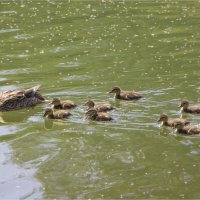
(18, 99)
(94, 115)
(125, 95)
(99, 107)
(62, 104)
(60, 114)
(190, 130)
(185, 107)
(170, 122)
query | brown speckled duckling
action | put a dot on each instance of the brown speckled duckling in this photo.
(94, 115)
(185, 108)
(99, 107)
(62, 104)
(59, 114)
(125, 95)
(171, 122)
(190, 130)
(18, 99)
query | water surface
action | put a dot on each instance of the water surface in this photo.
(79, 50)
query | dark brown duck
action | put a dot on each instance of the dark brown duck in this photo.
(18, 99)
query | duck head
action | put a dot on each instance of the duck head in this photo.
(47, 112)
(184, 104)
(55, 102)
(90, 104)
(163, 118)
(178, 125)
(92, 113)
(116, 90)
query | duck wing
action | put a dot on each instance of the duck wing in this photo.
(195, 109)
(103, 107)
(172, 122)
(103, 117)
(61, 114)
(130, 95)
(33, 92)
(68, 104)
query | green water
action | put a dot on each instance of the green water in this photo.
(79, 50)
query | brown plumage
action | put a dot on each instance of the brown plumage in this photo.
(62, 104)
(125, 95)
(190, 130)
(59, 114)
(94, 115)
(99, 107)
(171, 122)
(192, 109)
(18, 99)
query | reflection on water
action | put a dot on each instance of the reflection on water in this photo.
(17, 181)
(79, 50)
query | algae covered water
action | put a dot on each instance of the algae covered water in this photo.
(79, 50)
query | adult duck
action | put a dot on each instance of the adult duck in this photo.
(18, 99)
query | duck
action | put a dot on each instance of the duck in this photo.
(125, 95)
(62, 104)
(21, 98)
(59, 114)
(192, 109)
(190, 130)
(170, 122)
(98, 116)
(99, 107)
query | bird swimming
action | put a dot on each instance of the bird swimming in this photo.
(99, 107)
(21, 98)
(59, 114)
(125, 95)
(94, 115)
(62, 104)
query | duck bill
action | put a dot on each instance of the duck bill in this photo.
(159, 120)
(45, 114)
(110, 92)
